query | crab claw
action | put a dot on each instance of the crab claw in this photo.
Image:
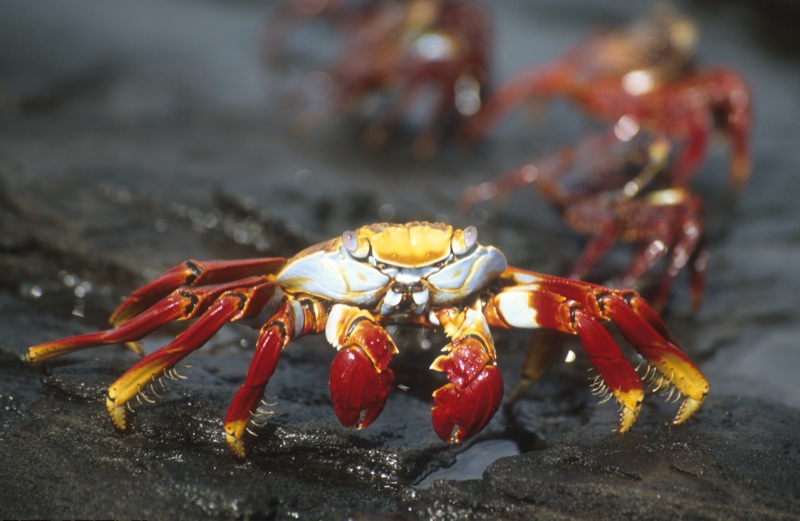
(358, 389)
(460, 414)
(470, 400)
(360, 377)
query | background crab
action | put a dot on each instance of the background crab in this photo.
(614, 187)
(643, 71)
(401, 51)
(351, 287)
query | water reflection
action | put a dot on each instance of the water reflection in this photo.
(471, 463)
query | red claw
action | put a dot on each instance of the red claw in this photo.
(460, 414)
(358, 390)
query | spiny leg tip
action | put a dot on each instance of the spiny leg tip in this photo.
(118, 414)
(687, 409)
(236, 446)
(627, 418)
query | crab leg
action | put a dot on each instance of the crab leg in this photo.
(294, 318)
(626, 310)
(577, 307)
(467, 404)
(182, 304)
(533, 306)
(541, 174)
(681, 206)
(192, 273)
(360, 378)
(543, 350)
(232, 305)
(728, 96)
(537, 84)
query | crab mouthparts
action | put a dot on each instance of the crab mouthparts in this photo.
(411, 296)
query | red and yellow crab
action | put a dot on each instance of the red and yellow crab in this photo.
(351, 287)
(400, 50)
(613, 187)
(643, 71)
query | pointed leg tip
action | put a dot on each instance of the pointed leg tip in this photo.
(40, 353)
(118, 414)
(630, 403)
(627, 418)
(236, 446)
(687, 409)
(135, 347)
(30, 356)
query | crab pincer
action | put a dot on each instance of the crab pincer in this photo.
(360, 378)
(467, 404)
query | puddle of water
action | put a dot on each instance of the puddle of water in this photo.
(471, 463)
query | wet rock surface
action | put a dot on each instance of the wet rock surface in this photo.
(134, 136)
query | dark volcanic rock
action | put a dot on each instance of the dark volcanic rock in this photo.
(135, 135)
(739, 461)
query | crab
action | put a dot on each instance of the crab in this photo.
(643, 71)
(351, 287)
(399, 50)
(612, 187)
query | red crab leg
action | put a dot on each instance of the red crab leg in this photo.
(541, 174)
(728, 96)
(360, 378)
(532, 306)
(636, 321)
(192, 273)
(692, 151)
(294, 318)
(683, 237)
(634, 318)
(538, 83)
(698, 270)
(230, 306)
(597, 246)
(467, 404)
(543, 350)
(630, 313)
(180, 305)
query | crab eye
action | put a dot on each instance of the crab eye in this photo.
(357, 248)
(470, 236)
(350, 241)
(464, 239)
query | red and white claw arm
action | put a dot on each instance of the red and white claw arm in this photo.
(360, 377)
(467, 404)
(579, 308)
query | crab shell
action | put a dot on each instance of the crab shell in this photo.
(395, 269)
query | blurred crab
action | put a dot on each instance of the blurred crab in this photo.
(611, 186)
(400, 50)
(351, 287)
(643, 71)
